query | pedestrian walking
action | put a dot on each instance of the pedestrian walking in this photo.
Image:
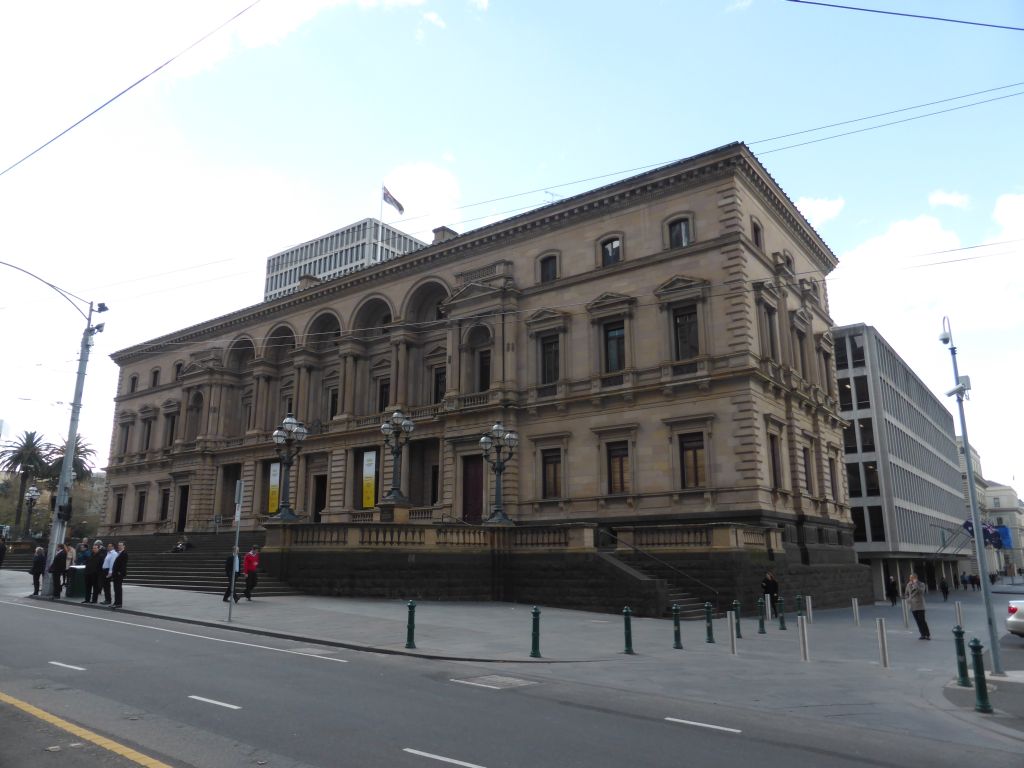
(57, 569)
(975, 582)
(119, 572)
(963, 580)
(915, 600)
(108, 567)
(3, 550)
(770, 589)
(892, 591)
(82, 554)
(94, 572)
(944, 589)
(38, 568)
(231, 572)
(250, 565)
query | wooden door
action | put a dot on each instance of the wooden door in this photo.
(472, 488)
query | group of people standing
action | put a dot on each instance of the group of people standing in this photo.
(105, 570)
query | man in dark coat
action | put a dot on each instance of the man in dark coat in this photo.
(94, 572)
(231, 572)
(38, 568)
(57, 569)
(3, 550)
(119, 572)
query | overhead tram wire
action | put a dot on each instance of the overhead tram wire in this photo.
(717, 290)
(141, 80)
(907, 15)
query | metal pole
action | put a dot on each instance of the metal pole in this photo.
(958, 610)
(708, 623)
(535, 639)
(57, 526)
(883, 643)
(805, 651)
(856, 611)
(906, 614)
(810, 609)
(781, 609)
(981, 702)
(979, 539)
(730, 618)
(961, 658)
(627, 626)
(239, 485)
(677, 639)
(736, 617)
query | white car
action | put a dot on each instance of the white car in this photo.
(1015, 619)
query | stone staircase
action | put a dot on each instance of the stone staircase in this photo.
(199, 569)
(680, 592)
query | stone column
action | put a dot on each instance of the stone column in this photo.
(348, 386)
(402, 374)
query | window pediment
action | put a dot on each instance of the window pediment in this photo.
(608, 304)
(127, 417)
(171, 406)
(767, 293)
(546, 320)
(683, 288)
(801, 320)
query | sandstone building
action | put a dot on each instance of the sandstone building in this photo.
(660, 344)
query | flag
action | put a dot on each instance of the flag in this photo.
(390, 200)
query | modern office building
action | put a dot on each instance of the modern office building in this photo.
(337, 253)
(661, 345)
(901, 464)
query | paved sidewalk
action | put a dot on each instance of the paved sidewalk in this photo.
(843, 679)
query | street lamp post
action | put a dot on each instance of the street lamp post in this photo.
(57, 526)
(397, 432)
(31, 497)
(502, 444)
(963, 385)
(288, 437)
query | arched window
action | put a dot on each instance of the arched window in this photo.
(679, 232)
(133, 383)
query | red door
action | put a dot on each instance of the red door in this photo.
(472, 488)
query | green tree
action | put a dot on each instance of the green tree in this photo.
(81, 467)
(27, 457)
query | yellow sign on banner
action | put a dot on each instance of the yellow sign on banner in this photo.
(369, 479)
(274, 490)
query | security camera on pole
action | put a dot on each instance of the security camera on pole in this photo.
(963, 386)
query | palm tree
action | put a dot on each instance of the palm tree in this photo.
(81, 466)
(28, 457)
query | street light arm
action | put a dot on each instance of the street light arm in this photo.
(66, 294)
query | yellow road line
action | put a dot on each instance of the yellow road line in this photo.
(82, 733)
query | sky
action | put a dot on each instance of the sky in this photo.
(283, 125)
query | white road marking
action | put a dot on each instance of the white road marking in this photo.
(66, 666)
(214, 701)
(174, 631)
(704, 725)
(442, 759)
(478, 685)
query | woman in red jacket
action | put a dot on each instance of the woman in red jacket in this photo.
(249, 567)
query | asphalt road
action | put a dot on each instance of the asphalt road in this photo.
(190, 696)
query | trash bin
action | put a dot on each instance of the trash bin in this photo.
(76, 581)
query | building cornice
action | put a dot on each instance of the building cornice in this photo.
(714, 165)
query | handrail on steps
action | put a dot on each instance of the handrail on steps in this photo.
(667, 565)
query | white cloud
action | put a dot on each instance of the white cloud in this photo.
(480, 5)
(1009, 215)
(435, 18)
(820, 210)
(952, 199)
(739, 5)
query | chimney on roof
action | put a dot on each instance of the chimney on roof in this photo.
(308, 281)
(443, 234)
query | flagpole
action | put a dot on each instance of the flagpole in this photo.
(380, 222)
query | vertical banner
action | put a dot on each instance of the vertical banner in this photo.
(274, 489)
(369, 479)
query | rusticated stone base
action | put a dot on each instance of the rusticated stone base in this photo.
(582, 580)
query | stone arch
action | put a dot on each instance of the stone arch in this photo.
(241, 355)
(423, 303)
(323, 333)
(279, 344)
(371, 318)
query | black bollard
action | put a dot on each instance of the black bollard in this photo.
(626, 614)
(708, 623)
(760, 616)
(410, 628)
(535, 644)
(961, 658)
(677, 635)
(780, 606)
(981, 702)
(736, 610)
